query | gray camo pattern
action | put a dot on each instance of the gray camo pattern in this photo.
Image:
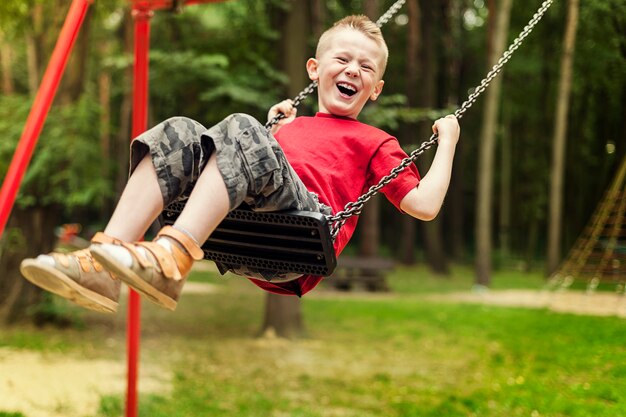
(250, 160)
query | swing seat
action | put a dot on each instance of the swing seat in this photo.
(283, 242)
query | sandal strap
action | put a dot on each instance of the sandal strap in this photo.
(131, 247)
(167, 262)
(185, 241)
(102, 238)
(83, 257)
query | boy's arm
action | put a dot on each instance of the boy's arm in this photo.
(425, 201)
(285, 107)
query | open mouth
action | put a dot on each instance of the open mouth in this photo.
(346, 89)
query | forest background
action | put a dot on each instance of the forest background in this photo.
(245, 55)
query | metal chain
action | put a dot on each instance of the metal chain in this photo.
(355, 207)
(311, 87)
(296, 102)
(386, 17)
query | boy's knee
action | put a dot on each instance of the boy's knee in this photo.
(184, 124)
(178, 132)
(242, 121)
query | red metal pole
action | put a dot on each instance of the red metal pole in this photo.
(40, 108)
(141, 13)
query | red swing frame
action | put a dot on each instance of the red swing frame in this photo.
(142, 11)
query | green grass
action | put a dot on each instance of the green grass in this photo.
(390, 355)
(419, 280)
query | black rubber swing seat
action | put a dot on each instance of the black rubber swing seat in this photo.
(288, 241)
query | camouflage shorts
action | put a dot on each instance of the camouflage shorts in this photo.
(250, 160)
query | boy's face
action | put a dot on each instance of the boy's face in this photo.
(348, 73)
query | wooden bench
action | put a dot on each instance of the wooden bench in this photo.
(367, 272)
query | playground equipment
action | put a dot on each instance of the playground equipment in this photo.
(599, 253)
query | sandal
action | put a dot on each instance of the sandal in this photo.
(76, 276)
(154, 271)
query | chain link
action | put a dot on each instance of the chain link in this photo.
(390, 13)
(354, 208)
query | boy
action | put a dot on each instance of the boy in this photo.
(332, 158)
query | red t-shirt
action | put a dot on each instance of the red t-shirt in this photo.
(339, 159)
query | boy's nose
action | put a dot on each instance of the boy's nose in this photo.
(352, 71)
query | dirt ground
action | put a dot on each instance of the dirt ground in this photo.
(40, 384)
(574, 302)
(56, 385)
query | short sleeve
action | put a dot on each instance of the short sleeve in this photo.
(388, 156)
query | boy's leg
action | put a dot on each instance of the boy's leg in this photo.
(182, 165)
(158, 269)
(76, 275)
(140, 203)
(207, 206)
(239, 162)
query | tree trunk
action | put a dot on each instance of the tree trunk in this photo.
(283, 314)
(452, 24)
(413, 74)
(6, 60)
(484, 210)
(35, 48)
(29, 233)
(559, 139)
(32, 61)
(492, 9)
(369, 224)
(371, 9)
(318, 17)
(76, 71)
(104, 99)
(506, 169)
(122, 139)
(432, 230)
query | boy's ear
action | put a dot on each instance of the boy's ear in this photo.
(311, 68)
(378, 88)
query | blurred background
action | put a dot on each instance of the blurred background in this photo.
(540, 153)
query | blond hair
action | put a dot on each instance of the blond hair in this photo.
(360, 23)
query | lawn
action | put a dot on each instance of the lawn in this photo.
(393, 354)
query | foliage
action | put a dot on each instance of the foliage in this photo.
(215, 59)
(66, 168)
(209, 62)
(390, 112)
(12, 14)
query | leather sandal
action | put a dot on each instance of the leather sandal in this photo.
(76, 276)
(155, 271)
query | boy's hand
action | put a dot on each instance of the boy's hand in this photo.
(285, 107)
(448, 129)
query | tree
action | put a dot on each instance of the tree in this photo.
(369, 222)
(455, 207)
(484, 198)
(427, 98)
(64, 172)
(283, 314)
(12, 19)
(559, 139)
(28, 233)
(6, 60)
(413, 72)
